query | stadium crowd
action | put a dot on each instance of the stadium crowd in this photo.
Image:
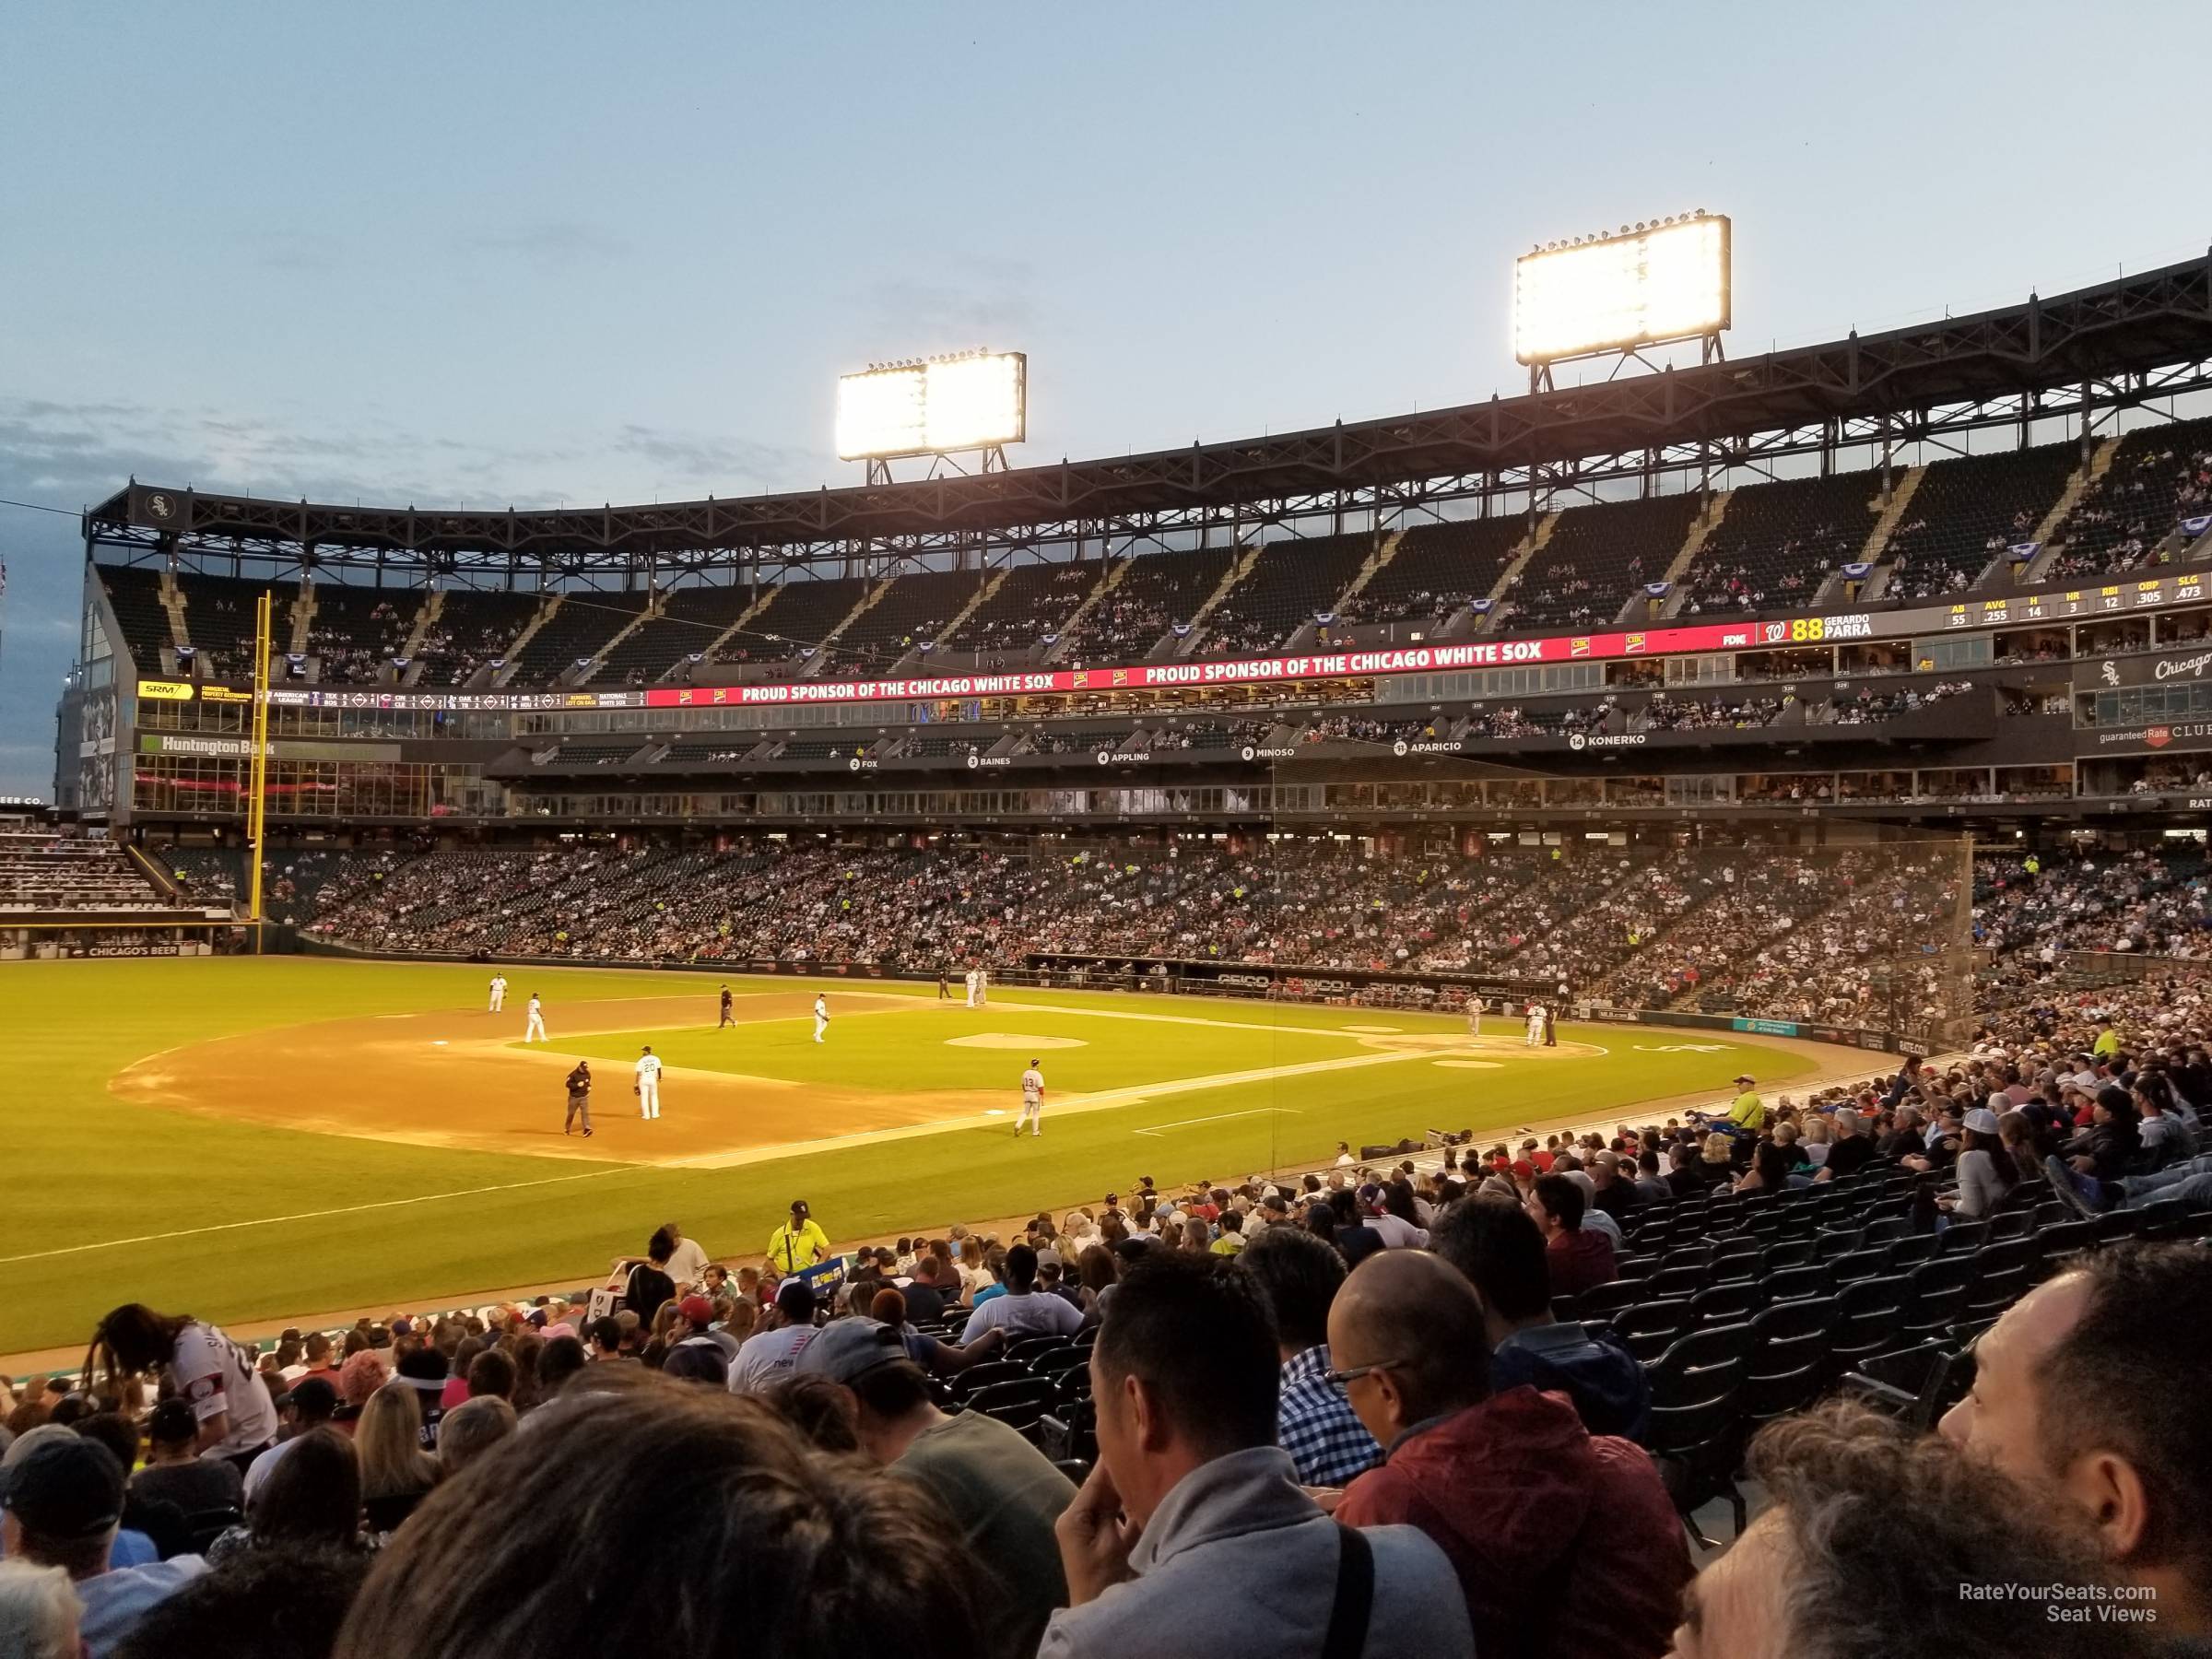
(2152, 903)
(1636, 926)
(355, 648)
(1479, 1404)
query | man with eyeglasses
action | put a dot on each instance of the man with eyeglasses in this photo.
(1191, 1517)
(1565, 1542)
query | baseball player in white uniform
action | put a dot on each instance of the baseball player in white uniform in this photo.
(1536, 1025)
(821, 1016)
(649, 1084)
(1473, 1016)
(1032, 1102)
(982, 987)
(498, 992)
(973, 976)
(535, 1029)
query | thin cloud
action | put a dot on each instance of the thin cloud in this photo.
(547, 242)
(961, 306)
(714, 459)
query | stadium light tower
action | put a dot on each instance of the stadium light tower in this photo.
(973, 401)
(1610, 296)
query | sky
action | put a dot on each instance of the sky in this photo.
(506, 253)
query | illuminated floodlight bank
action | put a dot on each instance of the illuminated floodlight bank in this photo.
(1668, 282)
(976, 400)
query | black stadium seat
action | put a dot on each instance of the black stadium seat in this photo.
(2001, 1276)
(1648, 1327)
(1719, 1303)
(1061, 1361)
(1789, 1358)
(1685, 1280)
(984, 1375)
(1695, 1384)
(1918, 1383)
(1019, 1404)
(1868, 1315)
(1793, 1284)
(1069, 1433)
(1601, 1302)
(1935, 1295)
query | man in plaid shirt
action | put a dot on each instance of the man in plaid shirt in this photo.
(1299, 1275)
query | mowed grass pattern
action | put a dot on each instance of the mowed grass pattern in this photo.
(313, 1222)
(873, 1046)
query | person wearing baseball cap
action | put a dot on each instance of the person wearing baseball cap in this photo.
(799, 1242)
(1986, 1171)
(695, 1323)
(1002, 1491)
(1745, 1116)
(786, 1331)
(309, 1402)
(176, 1473)
(62, 1498)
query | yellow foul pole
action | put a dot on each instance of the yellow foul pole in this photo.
(258, 802)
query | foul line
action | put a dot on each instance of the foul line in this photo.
(1191, 1019)
(1219, 1117)
(1137, 1093)
(351, 1209)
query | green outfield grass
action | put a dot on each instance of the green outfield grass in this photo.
(898, 1049)
(103, 1201)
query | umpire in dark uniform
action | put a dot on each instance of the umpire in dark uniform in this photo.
(580, 1098)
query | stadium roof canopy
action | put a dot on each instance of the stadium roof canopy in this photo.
(2121, 343)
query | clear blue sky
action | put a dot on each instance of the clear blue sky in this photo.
(530, 253)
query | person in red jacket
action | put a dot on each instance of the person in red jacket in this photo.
(1565, 1542)
(1579, 1257)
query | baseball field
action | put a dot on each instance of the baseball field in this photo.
(255, 1139)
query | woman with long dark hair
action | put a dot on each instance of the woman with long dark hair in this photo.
(1770, 1171)
(1320, 1219)
(2028, 1143)
(1099, 1272)
(1395, 1220)
(215, 1376)
(1986, 1171)
(312, 1496)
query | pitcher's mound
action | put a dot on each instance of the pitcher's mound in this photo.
(1471, 1064)
(1013, 1039)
